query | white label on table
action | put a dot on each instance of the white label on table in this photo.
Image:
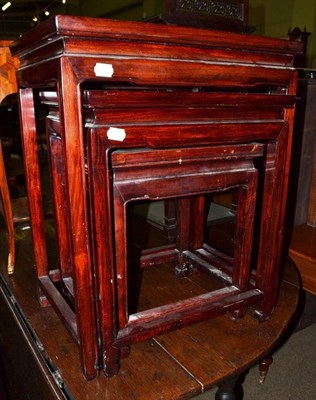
(103, 70)
(117, 134)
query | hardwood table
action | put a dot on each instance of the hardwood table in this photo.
(39, 357)
(252, 81)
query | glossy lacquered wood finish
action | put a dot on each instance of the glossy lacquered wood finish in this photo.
(158, 174)
(167, 88)
(7, 212)
(240, 129)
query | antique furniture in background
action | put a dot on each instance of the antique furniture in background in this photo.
(228, 15)
(8, 66)
(181, 89)
(303, 252)
(301, 36)
(312, 199)
(303, 242)
(304, 149)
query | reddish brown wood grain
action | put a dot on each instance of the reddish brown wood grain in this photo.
(180, 91)
(59, 196)
(75, 181)
(160, 97)
(7, 212)
(32, 174)
(140, 32)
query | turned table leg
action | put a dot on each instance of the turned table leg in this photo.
(264, 368)
(226, 390)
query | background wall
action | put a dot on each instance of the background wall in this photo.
(117, 9)
(276, 17)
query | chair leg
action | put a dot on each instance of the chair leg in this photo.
(4, 189)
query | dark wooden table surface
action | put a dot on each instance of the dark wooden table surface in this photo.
(178, 365)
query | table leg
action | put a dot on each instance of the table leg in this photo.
(78, 220)
(271, 235)
(183, 234)
(264, 368)
(5, 196)
(226, 390)
(32, 175)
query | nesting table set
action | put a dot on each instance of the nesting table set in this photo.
(141, 112)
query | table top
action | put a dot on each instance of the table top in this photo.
(176, 365)
(103, 28)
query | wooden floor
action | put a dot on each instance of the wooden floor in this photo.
(177, 365)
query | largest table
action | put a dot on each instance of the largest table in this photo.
(64, 53)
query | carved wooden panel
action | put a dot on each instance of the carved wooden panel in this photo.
(8, 66)
(227, 9)
(219, 14)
